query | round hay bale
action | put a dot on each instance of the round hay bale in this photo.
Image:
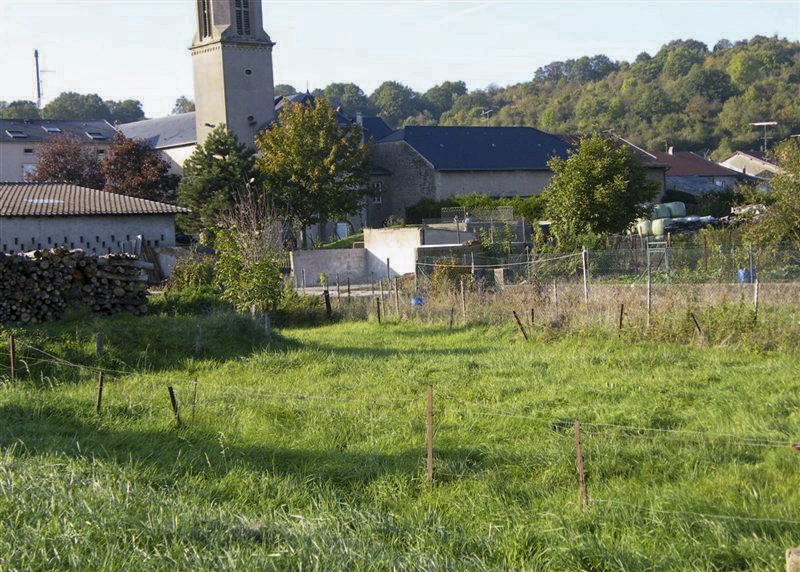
(676, 209)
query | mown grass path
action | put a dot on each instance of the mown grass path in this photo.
(309, 452)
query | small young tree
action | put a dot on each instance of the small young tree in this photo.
(249, 247)
(216, 173)
(781, 223)
(134, 169)
(316, 170)
(66, 159)
(600, 188)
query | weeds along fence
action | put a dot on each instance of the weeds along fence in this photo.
(712, 295)
(455, 439)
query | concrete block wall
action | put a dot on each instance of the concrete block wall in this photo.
(347, 262)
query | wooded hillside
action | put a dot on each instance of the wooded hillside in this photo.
(687, 95)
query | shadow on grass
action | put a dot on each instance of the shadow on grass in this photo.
(173, 453)
(134, 344)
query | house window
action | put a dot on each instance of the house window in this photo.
(101, 151)
(51, 129)
(16, 134)
(377, 189)
(27, 151)
(28, 169)
(96, 136)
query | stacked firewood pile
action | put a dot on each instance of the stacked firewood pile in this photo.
(39, 285)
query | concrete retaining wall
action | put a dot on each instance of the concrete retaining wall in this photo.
(399, 245)
(348, 262)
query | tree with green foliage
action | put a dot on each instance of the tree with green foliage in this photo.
(67, 159)
(347, 96)
(72, 105)
(600, 188)
(315, 170)
(183, 105)
(394, 102)
(134, 169)
(781, 223)
(284, 89)
(125, 111)
(20, 109)
(216, 173)
(441, 97)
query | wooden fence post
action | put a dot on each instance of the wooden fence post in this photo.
(649, 293)
(388, 277)
(194, 397)
(328, 309)
(555, 295)
(338, 288)
(99, 343)
(174, 401)
(304, 280)
(380, 283)
(430, 433)
(452, 315)
(99, 391)
(581, 473)
(519, 323)
(585, 259)
(349, 299)
(397, 298)
(463, 302)
(378, 305)
(755, 298)
(533, 319)
(12, 351)
(621, 315)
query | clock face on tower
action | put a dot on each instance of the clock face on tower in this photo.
(232, 60)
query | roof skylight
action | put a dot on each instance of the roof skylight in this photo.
(16, 134)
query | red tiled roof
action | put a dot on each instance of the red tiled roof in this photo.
(688, 164)
(56, 199)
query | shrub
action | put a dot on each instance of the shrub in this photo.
(192, 271)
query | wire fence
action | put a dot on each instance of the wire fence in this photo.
(192, 397)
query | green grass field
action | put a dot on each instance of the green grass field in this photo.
(308, 452)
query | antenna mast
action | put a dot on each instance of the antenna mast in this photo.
(38, 81)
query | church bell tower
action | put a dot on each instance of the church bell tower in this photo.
(232, 59)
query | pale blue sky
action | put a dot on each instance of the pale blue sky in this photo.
(138, 48)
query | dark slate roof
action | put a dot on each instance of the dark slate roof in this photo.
(37, 130)
(688, 164)
(375, 128)
(162, 132)
(56, 199)
(482, 148)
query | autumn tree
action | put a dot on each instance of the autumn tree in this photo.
(67, 159)
(600, 188)
(214, 175)
(134, 169)
(314, 169)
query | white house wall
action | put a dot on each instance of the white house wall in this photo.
(100, 234)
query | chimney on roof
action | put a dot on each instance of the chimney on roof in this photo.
(671, 150)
